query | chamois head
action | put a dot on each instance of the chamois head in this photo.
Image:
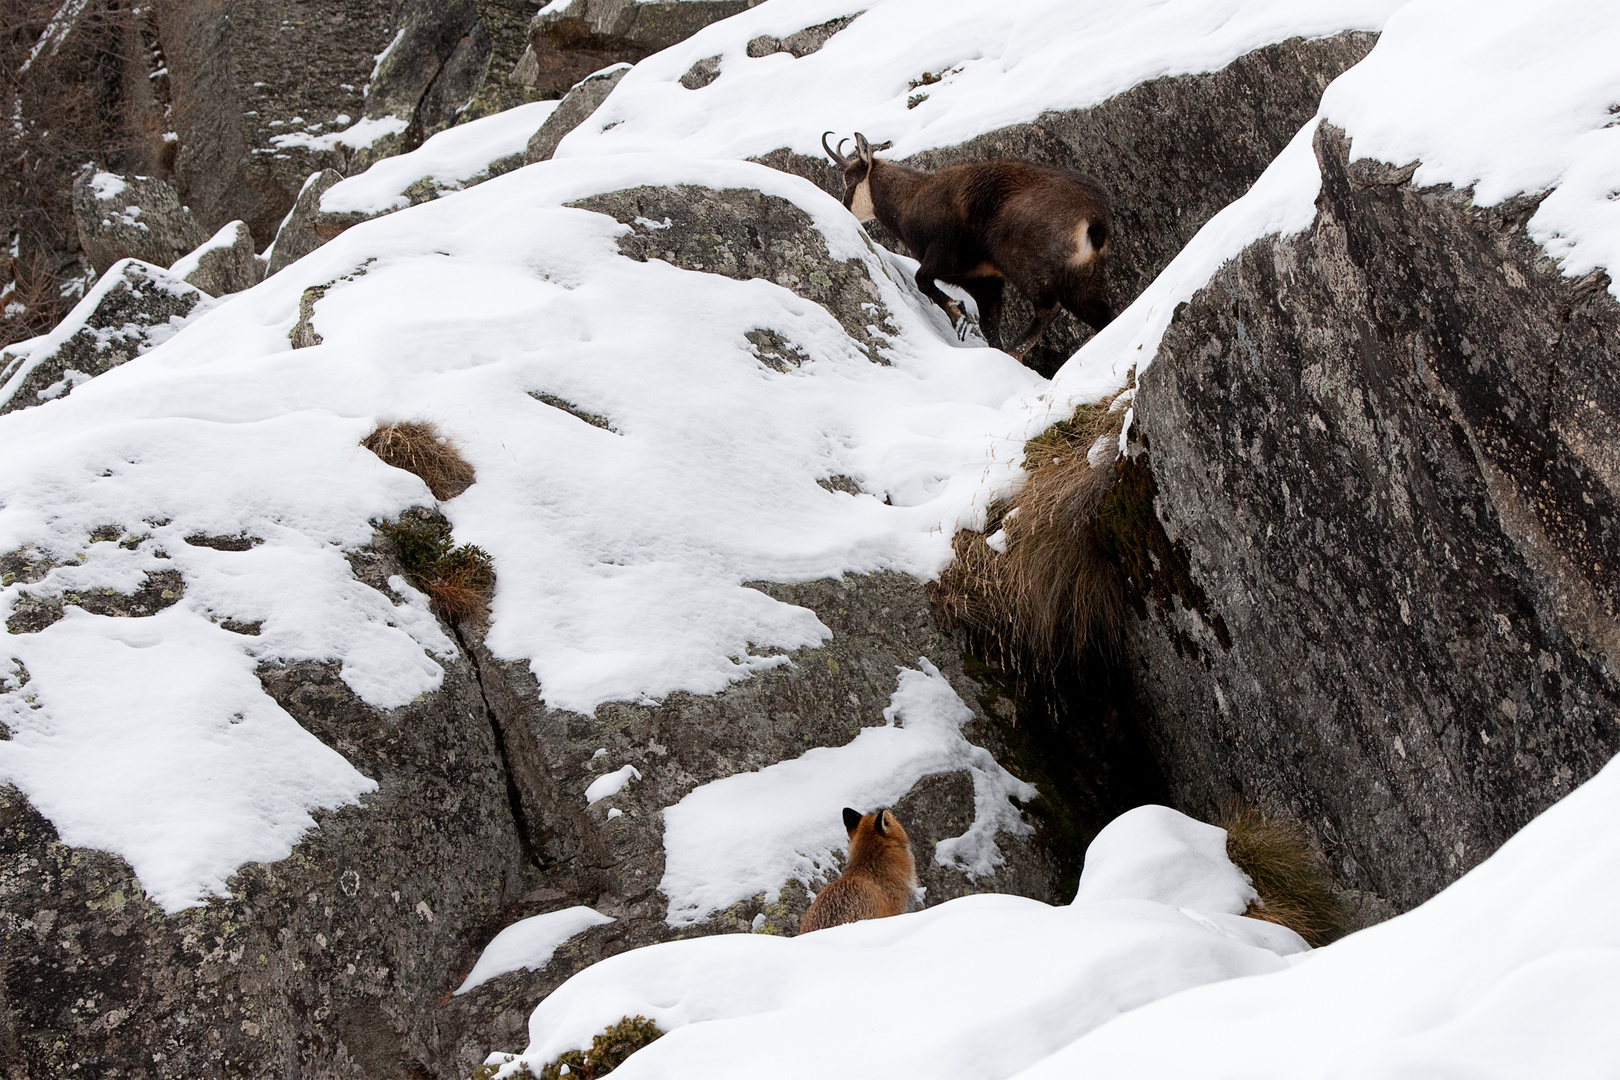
(857, 174)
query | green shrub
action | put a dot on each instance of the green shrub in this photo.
(458, 580)
(608, 1051)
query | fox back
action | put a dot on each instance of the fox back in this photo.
(877, 882)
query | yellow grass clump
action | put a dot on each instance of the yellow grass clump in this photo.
(1054, 592)
(417, 446)
(1292, 878)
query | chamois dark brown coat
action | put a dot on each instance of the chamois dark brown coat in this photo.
(877, 882)
(980, 225)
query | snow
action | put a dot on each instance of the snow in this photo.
(610, 784)
(1520, 101)
(1010, 62)
(981, 986)
(529, 943)
(1156, 853)
(107, 185)
(1510, 972)
(450, 160)
(750, 833)
(360, 135)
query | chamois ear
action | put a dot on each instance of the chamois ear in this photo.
(852, 818)
(878, 823)
(863, 148)
(883, 146)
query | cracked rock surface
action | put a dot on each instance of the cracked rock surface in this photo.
(1386, 448)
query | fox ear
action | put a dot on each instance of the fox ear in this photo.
(852, 818)
(878, 822)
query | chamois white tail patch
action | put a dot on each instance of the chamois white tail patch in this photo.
(1083, 251)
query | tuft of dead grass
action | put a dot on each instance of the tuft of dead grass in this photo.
(418, 446)
(459, 581)
(1292, 878)
(1054, 593)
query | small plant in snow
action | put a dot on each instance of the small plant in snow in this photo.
(458, 580)
(418, 447)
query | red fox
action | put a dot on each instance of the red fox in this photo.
(878, 881)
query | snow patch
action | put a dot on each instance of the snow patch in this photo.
(609, 784)
(529, 944)
(360, 135)
(449, 160)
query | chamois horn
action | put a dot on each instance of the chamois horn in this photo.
(834, 154)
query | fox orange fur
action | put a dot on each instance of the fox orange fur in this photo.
(878, 881)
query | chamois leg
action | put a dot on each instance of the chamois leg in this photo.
(932, 266)
(986, 293)
(1092, 310)
(1046, 310)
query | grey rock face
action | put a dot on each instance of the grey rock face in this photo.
(131, 217)
(302, 233)
(141, 308)
(221, 269)
(745, 234)
(801, 44)
(330, 963)
(1171, 153)
(576, 108)
(568, 44)
(257, 86)
(1384, 453)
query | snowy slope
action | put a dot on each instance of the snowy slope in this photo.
(1001, 64)
(620, 553)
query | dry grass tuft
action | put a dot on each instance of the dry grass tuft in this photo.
(1054, 594)
(418, 447)
(459, 581)
(1291, 877)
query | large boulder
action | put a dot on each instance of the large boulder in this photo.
(1380, 460)
(134, 307)
(567, 43)
(302, 232)
(131, 217)
(224, 263)
(323, 965)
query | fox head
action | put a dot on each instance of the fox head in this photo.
(870, 834)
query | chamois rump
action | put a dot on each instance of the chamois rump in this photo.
(980, 225)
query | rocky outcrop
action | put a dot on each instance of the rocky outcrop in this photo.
(583, 99)
(322, 965)
(133, 308)
(1382, 587)
(224, 264)
(303, 232)
(1172, 153)
(131, 217)
(566, 44)
(746, 234)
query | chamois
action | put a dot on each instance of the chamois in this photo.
(980, 225)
